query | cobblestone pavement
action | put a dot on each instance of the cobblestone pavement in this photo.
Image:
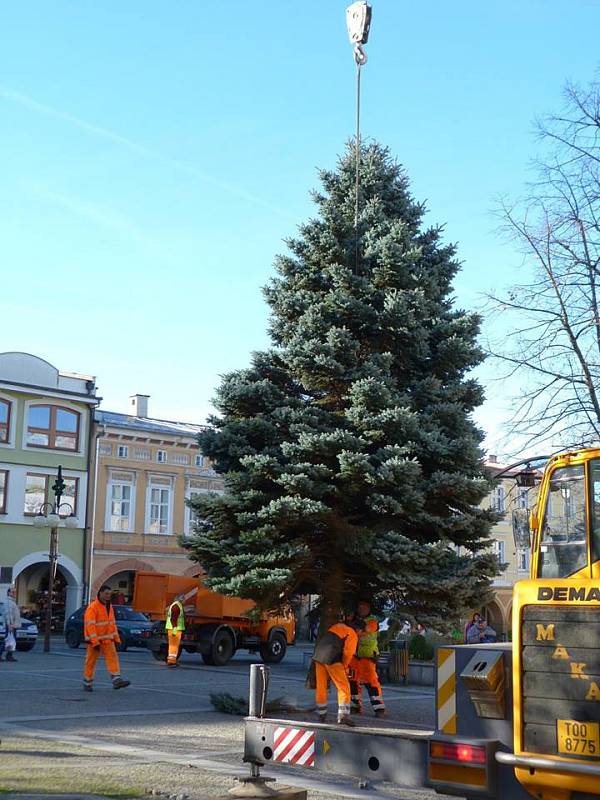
(165, 715)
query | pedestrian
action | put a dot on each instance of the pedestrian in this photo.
(363, 667)
(118, 598)
(2, 631)
(175, 625)
(481, 633)
(13, 623)
(101, 636)
(473, 621)
(333, 653)
(313, 624)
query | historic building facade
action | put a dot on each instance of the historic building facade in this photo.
(145, 471)
(46, 420)
(506, 497)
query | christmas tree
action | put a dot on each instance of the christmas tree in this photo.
(352, 464)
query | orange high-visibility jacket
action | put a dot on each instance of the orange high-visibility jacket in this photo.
(336, 646)
(99, 624)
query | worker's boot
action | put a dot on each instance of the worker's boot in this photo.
(87, 687)
(355, 710)
(10, 656)
(344, 719)
(380, 712)
(119, 683)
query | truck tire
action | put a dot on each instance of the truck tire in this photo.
(273, 651)
(222, 648)
(208, 659)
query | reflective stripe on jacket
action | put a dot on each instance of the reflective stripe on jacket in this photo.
(99, 623)
(180, 618)
(368, 646)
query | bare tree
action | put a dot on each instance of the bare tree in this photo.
(555, 347)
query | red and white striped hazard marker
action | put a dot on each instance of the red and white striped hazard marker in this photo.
(294, 746)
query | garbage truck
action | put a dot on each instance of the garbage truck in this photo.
(514, 721)
(216, 626)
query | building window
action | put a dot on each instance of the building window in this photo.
(36, 492)
(106, 450)
(161, 456)
(53, 427)
(3, 490)
(501, 551)
(499, 499)
(70, 496)
(523, 560)
(199, 461)
(160, 507)
(192, 517)
(120, 507)
(523, 499)
(4, 421)
(122, 451)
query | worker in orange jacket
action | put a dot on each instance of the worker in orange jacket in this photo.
(332, 657)
(101, 635)
(363, 668)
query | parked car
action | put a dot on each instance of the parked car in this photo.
(26, 635)
(133, 626)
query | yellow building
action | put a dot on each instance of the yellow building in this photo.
(145, 469)
(506, 497)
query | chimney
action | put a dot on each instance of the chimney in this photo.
(138, 405)
(493, 459)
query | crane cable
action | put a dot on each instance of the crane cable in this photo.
(360, 57)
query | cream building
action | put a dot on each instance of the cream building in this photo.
(506, 497)
(145, 470)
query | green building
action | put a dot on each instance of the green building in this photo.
(46, 420)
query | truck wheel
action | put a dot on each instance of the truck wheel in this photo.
(222, 648)
(208, 659)
(273, 651)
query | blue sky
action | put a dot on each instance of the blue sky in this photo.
(154, 155)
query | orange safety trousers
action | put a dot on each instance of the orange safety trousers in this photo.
(364, 671)
(174, 642)
(111, 659)
(337, 673)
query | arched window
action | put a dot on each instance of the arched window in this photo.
(4, 420)
(54, 427)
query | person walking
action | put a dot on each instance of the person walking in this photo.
(2, 631)
(175, 625)
(101, 635)
(332, 657)
(13, 623)
(363, 667)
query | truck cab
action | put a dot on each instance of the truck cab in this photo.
(556, 636)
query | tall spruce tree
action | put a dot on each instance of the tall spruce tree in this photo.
(352, 465)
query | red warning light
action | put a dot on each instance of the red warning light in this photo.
(463, 753)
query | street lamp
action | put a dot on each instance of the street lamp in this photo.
(49, 516)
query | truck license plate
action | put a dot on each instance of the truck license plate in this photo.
(578, 738)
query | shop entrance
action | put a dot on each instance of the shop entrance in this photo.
(31, 585)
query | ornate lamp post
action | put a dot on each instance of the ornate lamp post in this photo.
(48, 516)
